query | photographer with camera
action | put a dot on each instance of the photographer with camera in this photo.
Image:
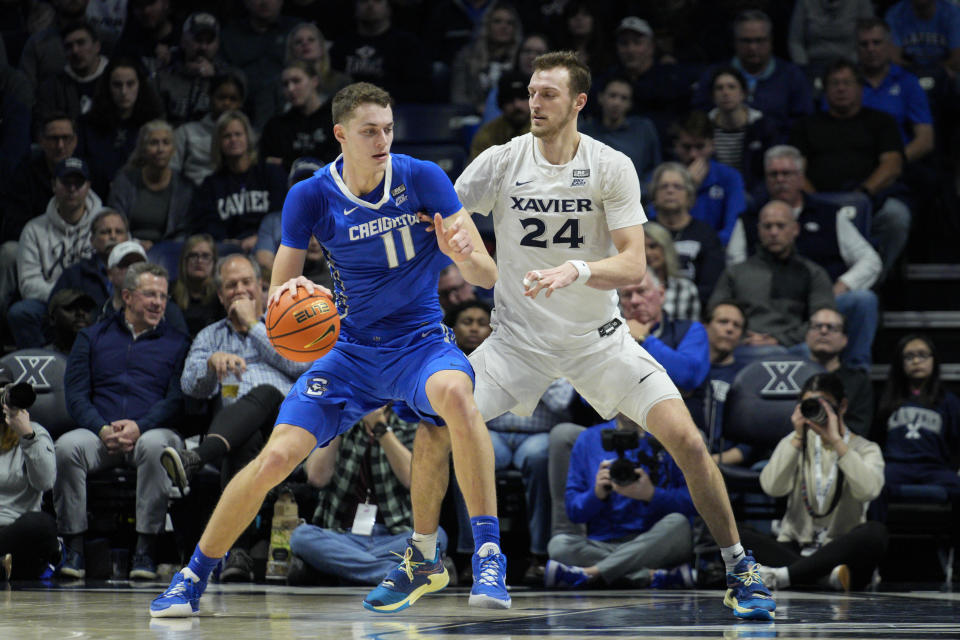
(28, 536)
(829, 474)
(636, 506)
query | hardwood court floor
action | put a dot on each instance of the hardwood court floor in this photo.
(255, 612)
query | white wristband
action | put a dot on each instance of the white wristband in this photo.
(583, 270)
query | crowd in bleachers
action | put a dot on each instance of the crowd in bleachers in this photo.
(786, 151)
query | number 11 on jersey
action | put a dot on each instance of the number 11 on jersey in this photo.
(390, 246)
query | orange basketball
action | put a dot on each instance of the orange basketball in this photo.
(303, 328)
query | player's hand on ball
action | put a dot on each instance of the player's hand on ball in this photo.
(549, 279)
(454, 241)
(291, 286)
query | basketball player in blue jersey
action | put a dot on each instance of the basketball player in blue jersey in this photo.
(393, 347)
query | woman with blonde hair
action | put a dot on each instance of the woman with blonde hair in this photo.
(478, 65)
(233, 199)
(194, 290)
(28, 466)
(153, 196)
(306, 42)
(682, 299)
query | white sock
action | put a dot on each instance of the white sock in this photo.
(732, 555)
(188, 573)
(783, 577)
(426, 543)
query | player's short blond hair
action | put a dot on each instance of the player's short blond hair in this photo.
(353, 95)
(578, 72)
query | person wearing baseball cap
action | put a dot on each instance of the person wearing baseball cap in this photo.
(48, 245)
(185, 83)
(69, 311)
(514, 118)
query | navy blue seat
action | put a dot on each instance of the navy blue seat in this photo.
(855, 205)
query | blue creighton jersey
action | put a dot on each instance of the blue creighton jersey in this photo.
(385, 265)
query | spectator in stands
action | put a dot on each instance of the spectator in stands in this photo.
(633, 526)
(453, 24)
(305, 42)
(108, 228)
(850, 147)
(532, 45)
(894, 90)
(697, 244)
(829, 475)
(679, 345)
(185, 84)
(232, 201)
(514, 118)
(306, 129)
(453, 289)
(16, 98)
(233, 350)
(192, 155)
(71, 90)
(828, 237)
(826, 340)
(820, 33)
(478, 66)
(632, 135)
(778, 288)
(195, 291)
(583, 31)
(68, 312)
(371, 463)
(470, 321)
(43, 55)
(123, 102)
(776, 87)
(148, 35)
(108, 17)
(720, 194)
(660, 91)
(27, 192)
(926, 35)
(918, 419)
(741, 134)
(256, 45)
(122, 257)
(681, 299)
(726, 324)
(28, 535)
(123, 392)
(48, 245)
(153, 196)
(379, 53)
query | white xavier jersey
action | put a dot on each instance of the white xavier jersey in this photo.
(544, 215)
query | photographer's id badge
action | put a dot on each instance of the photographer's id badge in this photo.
(363, 521)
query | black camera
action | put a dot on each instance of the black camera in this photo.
(18, 396)
(621, 471)
(812, 410)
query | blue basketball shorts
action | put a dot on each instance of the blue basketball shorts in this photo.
(355, 378)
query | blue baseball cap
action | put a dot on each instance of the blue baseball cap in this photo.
(72, 166)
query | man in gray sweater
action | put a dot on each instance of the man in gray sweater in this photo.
(777, 288)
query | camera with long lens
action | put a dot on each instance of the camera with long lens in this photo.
(18, 396)
(621, 471)
(812, 410)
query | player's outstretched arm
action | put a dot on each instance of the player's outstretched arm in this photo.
(460, 240)
(287, 274)
(625, 268)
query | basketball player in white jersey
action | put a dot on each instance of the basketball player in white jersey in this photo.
(568, 222)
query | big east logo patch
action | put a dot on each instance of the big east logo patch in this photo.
(316, 308)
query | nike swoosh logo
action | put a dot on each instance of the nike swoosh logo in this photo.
(520, 184)
(645, 377)
(346, 212)
(330, 329)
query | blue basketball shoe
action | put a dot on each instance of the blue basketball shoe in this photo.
(412, 578)
(489, 578)
(181, 599)
(746, 593)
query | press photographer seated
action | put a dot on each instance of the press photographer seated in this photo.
(28, 537)
(633, 498)
(829, 474)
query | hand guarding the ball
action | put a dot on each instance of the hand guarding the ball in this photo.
(291, 286)
(549, 279)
